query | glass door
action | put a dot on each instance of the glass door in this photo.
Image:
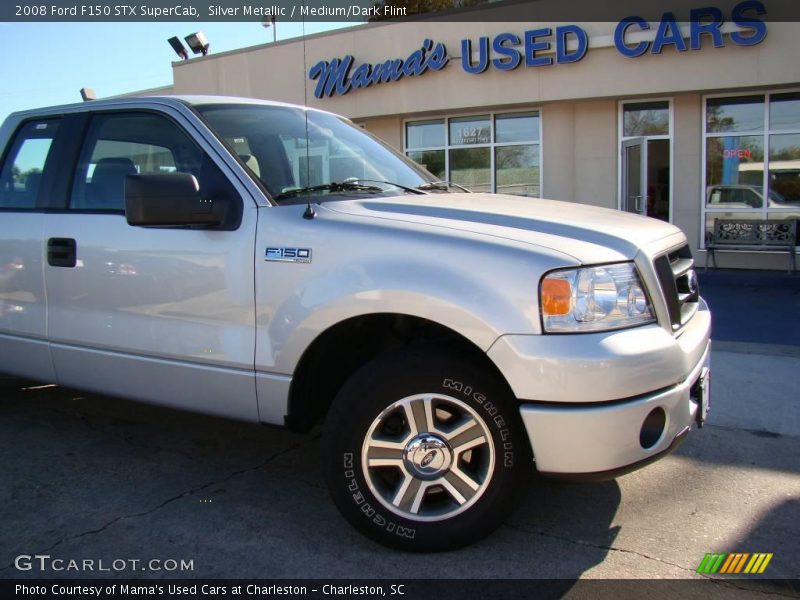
(634, 175)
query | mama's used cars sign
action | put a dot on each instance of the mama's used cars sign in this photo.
(543, 47)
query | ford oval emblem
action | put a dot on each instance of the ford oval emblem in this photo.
(428, 458)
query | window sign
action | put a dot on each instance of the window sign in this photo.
(733, 160)
(470, 130)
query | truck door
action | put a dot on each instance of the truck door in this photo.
(29, 157)
(162, 314)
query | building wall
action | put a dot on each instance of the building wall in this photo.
(277, 71)
(687, 188)
(579, 102)
(389, 129)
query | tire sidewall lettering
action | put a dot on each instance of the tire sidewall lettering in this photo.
(492, 411)
(371, 513)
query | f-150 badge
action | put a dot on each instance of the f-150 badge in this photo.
(299, 255)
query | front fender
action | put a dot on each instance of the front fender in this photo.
(478, 286)
(303, 317)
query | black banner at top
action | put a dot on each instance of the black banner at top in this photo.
(363, 11)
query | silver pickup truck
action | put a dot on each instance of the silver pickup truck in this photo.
(279, 265)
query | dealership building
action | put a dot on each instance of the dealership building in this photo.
(685, 117)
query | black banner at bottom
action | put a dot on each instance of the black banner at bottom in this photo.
(411, 589)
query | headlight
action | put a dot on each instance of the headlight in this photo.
(594, 299)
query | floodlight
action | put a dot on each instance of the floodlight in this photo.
(88, 94)
(197, 42)
(177, 45)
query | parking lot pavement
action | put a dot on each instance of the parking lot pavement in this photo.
(754, 307)
(91, 477)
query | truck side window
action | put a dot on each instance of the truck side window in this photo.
(122, 144)
(22, 171)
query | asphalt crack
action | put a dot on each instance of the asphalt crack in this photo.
(168, 501)
(716, 580)
(596, 546)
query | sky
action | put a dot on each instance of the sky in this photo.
(45, 64)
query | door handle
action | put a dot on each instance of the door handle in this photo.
(62, 252)
(637, 203)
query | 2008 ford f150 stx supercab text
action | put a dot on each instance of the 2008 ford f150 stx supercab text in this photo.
(278, 264)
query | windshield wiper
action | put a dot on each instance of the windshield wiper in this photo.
(417, 190)
(441, 185)
(333, 187)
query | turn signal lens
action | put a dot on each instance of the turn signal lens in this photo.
(556, 296)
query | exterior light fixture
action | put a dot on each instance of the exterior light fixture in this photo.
(197, 42)
(177, 45)
(88, 94)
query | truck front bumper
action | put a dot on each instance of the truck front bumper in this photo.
(609, 402)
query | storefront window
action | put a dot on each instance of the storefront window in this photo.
(484, 153)
(432, 160)
(425, 134)
(470, 130)
(784, 167)
(735, 160)
(517, 170)
(784, 111)
(645, 118)
(735, 114)
(471, 167)
(522, 127)
(740, 183)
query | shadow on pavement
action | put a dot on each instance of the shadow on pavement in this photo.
(753, 306)
(768, 534)
(95, 477)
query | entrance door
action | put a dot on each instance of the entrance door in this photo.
(646, 158)
(634, 175)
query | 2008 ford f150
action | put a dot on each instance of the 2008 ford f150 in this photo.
(278, 264)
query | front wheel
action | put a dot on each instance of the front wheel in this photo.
(425, 452)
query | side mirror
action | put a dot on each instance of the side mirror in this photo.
(170, 199)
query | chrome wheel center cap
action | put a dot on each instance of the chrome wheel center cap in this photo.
(427, 456)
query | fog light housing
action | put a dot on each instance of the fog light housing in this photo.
(652, 428)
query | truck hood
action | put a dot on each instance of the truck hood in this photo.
(587, 233)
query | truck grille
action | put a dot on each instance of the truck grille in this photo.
(678, 281)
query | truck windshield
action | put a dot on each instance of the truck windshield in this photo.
(325, 155)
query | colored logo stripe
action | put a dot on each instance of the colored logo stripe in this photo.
(734, 562)
(711, 563)
(758, 563)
